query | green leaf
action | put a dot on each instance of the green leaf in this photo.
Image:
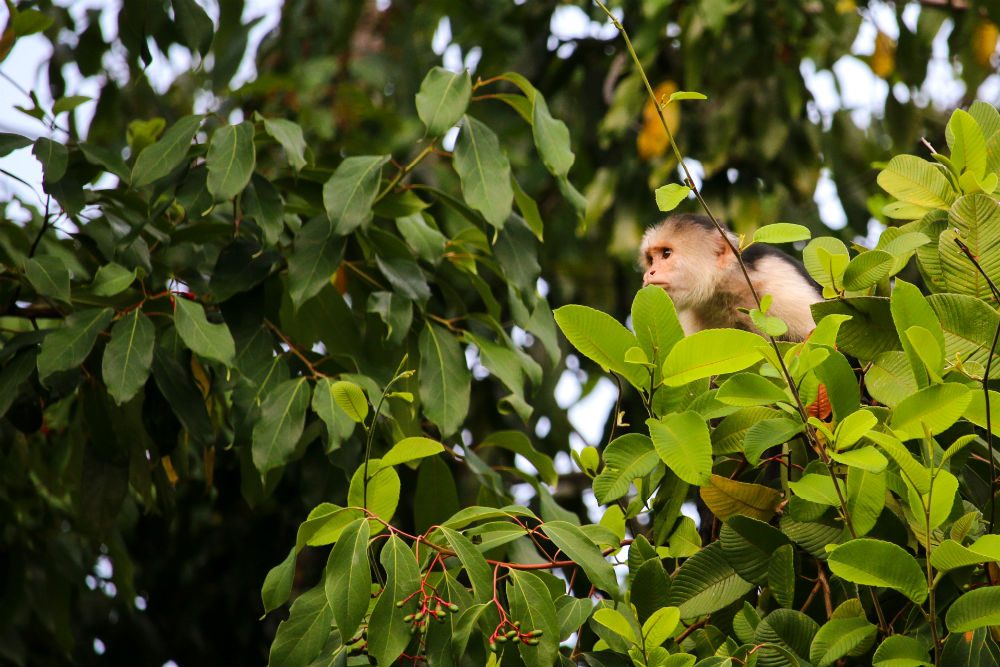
(382, 490)
(111, 279)
(339, 425)
(478, 570)
(975, 219)
(442, 99)
(685, 95)
(350, 193)
(68, 346)
(684, 444)
(867, 269)
(161, 158)
(231, 160)
(301, 637)
(769, 433)
(781, 232)
(11, 142)
(348, 578)
(826, 260)
(484, 171)
(602, 339)
(746, 389)
(816, 488)
(910, 309)
(879, 563)
(350, 398)
(853, 427)
(625, 459)
(901, 651)
(967, 144)
(532, 605)
(975, 609)
(840, 637)
(211, 341)
(289, 135)
(654, 320)
(411, 449)
(748, 545)
(669, 196)
(29, 21)
(660, 626)
(314, 259)
(781, 575)
(711, 352)
(705, 583)
(128, 356)
(551, 138)
(727, 497)
(968, 324)
(935, 408)
(68, 103)
(916, 181)
(579, 548)
(194, 25)
(951, 555)
(54, 158)
(865, 498)
(388, 634)
(278, 583)
(279, 427)
(615, 621)
(49, 276)
(445, 381)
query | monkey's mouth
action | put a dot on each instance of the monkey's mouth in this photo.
(663, 285)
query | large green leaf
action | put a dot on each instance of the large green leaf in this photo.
(380, 496)
(231, 160)
(282, 418)
(339, 424)
(975, 220)
(519, 443)
(654, 320)
(584, 552)
(49, 276)
(711, 352)
(300, 637)
(478, 570)
(68, 346)
(951, 555)
(532, 605)
(442, 99)
(128, 356)
(388, 634)
(901, 651)
(867, 269)
(781, 575)
(349, 194)
(890, 378)
(879, 563)
(348, 578)
(769, 433)
(158, 160)
(601, 338)
(445, 381)
(289, 135)
(865, 498)
(911, 311)
(211, 341)
(785, 633)
(626, 458)
(746, 389)
(967, 143)
(840, 637)
(551, 138)
(316, 255)
(935, 408)
(975, 609)
(869, 332)
(411, 449)
(484, 171)
(706, 583)
(916, 181)
(683, 443)
(748, 545)
(968, 324)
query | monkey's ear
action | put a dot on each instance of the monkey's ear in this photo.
(721, 247)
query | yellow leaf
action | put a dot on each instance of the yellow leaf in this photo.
(984, 42)
(883, 61)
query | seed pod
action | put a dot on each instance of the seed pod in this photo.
(452, 607)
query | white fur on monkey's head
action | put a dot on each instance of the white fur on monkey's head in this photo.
(686, 256)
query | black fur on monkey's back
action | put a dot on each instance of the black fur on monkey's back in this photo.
(754, 253)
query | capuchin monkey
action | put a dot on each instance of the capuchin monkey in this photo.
(686, 256)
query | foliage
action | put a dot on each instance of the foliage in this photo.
(238, 326)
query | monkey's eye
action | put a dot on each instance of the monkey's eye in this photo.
(666, 253)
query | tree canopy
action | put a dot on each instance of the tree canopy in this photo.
(245, 317)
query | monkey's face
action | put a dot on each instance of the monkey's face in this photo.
(684, 260)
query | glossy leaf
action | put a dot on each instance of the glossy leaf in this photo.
(68, 346)
(445, 381)
(158, 160)
(781, 232)
(916, 181)
(669, 197)
(711, 352)
(411, 449)
(349, 194)
(49, 276)
(602, 339)
(348, 578)
(231, 160)
(840, 637)
(531, 604)
(625, 459)
(443, 99)
(579, 548)
(726, 497)
(289, 135)
(706, 583)
(211, 341)
(879, 563)
(128, 356)
(350, 398)
(484, 171)
(301, 637)
(388, 634)
(282, 418)
(683, 443)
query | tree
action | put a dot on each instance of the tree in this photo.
(240, 320)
